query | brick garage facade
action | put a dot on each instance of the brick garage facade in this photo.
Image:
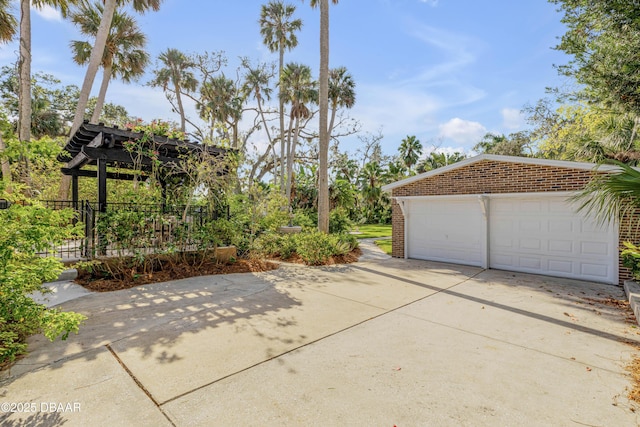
(497, 175)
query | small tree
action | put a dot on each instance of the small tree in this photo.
(27, 230)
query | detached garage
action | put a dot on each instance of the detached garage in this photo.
(508, 213)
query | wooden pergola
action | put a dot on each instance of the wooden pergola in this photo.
(103, 146)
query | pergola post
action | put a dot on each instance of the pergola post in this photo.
(102, 200)
(74, 191)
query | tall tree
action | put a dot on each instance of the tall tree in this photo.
(437, 160)
(124, 53)
(97, 52)
(221, 102)
(323, 146)
(278, 30)
(515, 144)
(177, 71)
(342, 93)
(602, 39)
(95, 59)
(297, 89)
(257, 84)
(24, 67)
(410, 150)
(8, 25)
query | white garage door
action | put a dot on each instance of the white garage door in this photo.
(539, 234)
(544, 235)
(447, 230)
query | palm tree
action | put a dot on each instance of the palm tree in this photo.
(323, 146)
(370, 179)
(124, 53)
(256, 84)
(610, 197)
(177, 72)
(278, 31)
(221, 102)
(298, 89)
(96, 57)
(24, 66)
(410, 150)
(437, 160)
(342, 92)
(8, 23)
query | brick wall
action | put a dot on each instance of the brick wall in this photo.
(490, 176)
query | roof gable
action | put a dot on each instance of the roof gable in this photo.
(504, 159)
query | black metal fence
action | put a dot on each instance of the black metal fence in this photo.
(123, 229)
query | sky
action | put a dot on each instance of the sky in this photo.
(446, 71)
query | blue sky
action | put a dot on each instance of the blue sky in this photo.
(447, 71)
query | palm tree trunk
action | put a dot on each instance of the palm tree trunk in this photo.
(323, 170)
(289, 163)
(94, 62)
(281, 107)
(183, 120)
(24, 98)
(334, 108)
(290, 159)
(4, 165)
(106, 78)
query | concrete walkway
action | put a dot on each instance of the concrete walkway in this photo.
(391, 342)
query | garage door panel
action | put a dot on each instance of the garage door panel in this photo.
(446, 231)
(595, 270)
(550, 238)
(600, 249)
(561, 226)
(558, 266)
(560, 246)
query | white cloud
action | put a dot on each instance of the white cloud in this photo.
(49, 13)
(432, 3)
(398, 109)
(462, 131)
(512, 118)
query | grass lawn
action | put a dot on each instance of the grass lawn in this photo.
(373, 230)
(385, 245)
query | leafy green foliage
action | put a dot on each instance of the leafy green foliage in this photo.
(610, 196)
(603, 40)
(339, 221)
(313, 247)
(631, 259)
(25, 231)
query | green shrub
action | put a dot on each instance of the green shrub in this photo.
(315, 248)
(25, 231)
(305, 220)
(339, 221)
(631, 259)
(271, 244)
(349, 239)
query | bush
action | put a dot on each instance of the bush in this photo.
(315, 248)
(25, 231)
(631, 259)
(339, 221)
(271, 244)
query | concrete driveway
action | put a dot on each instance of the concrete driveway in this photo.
(384, 343)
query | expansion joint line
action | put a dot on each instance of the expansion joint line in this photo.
(139, 384)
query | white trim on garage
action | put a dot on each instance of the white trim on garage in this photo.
(590, 253)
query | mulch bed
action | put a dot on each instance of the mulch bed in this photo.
(176, 271)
